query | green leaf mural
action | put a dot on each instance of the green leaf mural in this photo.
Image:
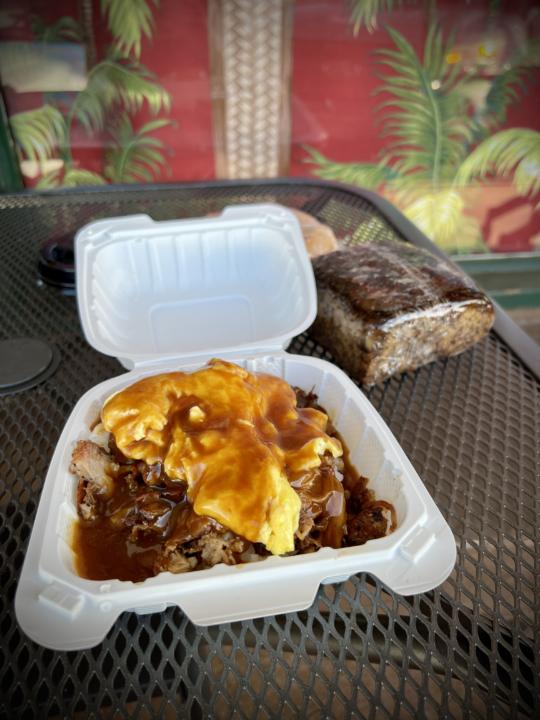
(507, 87)
(39, 132)
(66, 28)
(509, 152)
(72, 177)
(364, 12)
(432, 129)
(122, 83)
(426, 117)
(128, 21)
(137, 157)
(368, 175)
(117, 88)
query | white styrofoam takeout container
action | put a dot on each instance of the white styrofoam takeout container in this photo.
(165, 296)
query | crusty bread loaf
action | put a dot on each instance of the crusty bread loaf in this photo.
(319, 238)
(388, 307)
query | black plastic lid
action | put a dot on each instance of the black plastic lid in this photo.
(56, 263)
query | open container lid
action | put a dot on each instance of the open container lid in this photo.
(150, 291)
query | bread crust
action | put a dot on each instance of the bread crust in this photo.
(390, 307)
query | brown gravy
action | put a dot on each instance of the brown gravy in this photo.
(248, 445)
(224, 422)
(104, 551)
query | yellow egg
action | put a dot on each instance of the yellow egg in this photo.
(236, 438)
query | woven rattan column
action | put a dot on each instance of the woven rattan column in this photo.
(250, 59)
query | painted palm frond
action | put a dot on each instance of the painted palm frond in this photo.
(516, 151)
(425, 114)
(507, 87)
(367, 175)
(71, 177)
(38, 133)
(128, 21)
(50, 180)
(66, 28)
(364, 12)
(77, 177)
(139, 157)
(428, 119)
(114, 82)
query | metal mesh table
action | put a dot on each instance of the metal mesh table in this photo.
(471, 428)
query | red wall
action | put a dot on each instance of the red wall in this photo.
(334, 77)
(177, 55)
(333, 81)
(335, 73)
(334, 105)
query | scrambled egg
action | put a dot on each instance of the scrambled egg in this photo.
(235, 438)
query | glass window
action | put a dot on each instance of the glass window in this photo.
(431, 103)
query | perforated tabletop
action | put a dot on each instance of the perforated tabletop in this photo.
(469, 424)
